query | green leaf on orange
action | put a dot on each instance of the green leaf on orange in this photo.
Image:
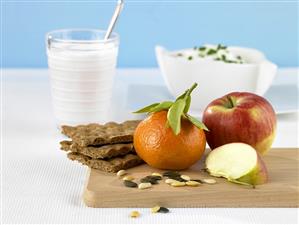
(197, 123)
(162, 106)
(188, 102)
(147, 108)
(174, 115)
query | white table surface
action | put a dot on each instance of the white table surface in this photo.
(40, 185)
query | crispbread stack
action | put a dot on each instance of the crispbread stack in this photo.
(107, 147)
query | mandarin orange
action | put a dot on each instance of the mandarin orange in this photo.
(159, 147)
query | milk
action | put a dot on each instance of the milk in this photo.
(81, 76)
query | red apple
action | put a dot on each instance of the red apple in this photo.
(240, 117)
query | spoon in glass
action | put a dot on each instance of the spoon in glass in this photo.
(118, 9)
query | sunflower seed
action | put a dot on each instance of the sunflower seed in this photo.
(163, 210)
(209, 181)
(144, 185)
(134, 214)
(121, 173)
(178, 184)
(130, 184)
(185, 177)
(169, 181)
(192, 183)
(155, 209)
(128, 178)
(157, 175)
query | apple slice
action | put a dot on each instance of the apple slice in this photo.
(239, 163)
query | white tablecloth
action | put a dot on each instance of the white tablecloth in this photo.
(39, 185)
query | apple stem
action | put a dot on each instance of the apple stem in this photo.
(232, 102)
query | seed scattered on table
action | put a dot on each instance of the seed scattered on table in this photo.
(178, 184)
(128, 178)
(209, 181)
(130, 184)
(192, 183)
(121, 173)
(171, 174)
(159, 209)
(198, 180)
(163, 210)
(134, 214)
(155, 209)
(169, 181)
(144, 185)
(151, 179)
(185, 177)
(178, 179)
(157, 175)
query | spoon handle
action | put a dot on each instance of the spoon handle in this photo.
(114, 18)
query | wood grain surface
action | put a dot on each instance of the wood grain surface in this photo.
(107, 190)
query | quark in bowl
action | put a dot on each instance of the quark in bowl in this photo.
(243, 70)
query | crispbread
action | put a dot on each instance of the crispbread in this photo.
(96, 134)
(111, 165)
(98, 152)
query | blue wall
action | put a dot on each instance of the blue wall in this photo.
(271, 27)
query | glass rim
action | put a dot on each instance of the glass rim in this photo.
(113, 37)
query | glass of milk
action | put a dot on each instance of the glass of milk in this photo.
(82, 67)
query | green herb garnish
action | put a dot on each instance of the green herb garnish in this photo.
(219, 47)
(176, 111)
(211, 51)
(202, 48)
(190, 57)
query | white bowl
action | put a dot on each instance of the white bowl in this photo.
(215, 78)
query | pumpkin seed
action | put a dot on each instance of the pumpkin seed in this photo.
(178, 179)
(209, 181)
(121, 173)
(144, 185)
(128, 178)
(192, 183)
(198, 180)
(169, 181)
(130, 184)
(149, 179)
(157, 175)
(134, 214)
(185, 177)
(154, 177)
(163, 210)
(155, 209)
(178, 184)
(171, 174)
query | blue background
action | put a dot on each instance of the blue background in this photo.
(271, 27)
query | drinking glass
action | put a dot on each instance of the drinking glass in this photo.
(82, 68)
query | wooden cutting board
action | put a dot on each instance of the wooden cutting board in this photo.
(107, 190)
